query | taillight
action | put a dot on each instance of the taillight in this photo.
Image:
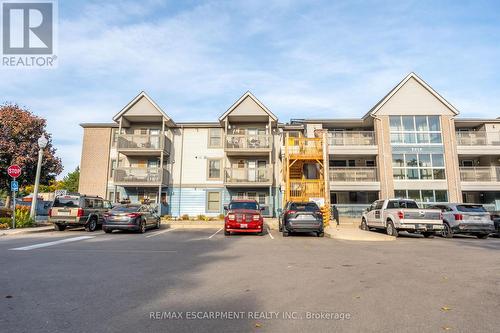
(458, 217)
(79, 212)
(231, 217)
(256, 217)
(288, 212)
(401, 215)
(133, 215)
(50, 212)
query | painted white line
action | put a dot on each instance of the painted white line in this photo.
(160, 232)
(62, 241)
(215, 233)
(269, 233)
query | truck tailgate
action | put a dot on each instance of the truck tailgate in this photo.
(422, 216)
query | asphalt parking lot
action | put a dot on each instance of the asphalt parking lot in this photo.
(74, 281)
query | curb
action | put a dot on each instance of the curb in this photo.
(19, 231)
(353, 234)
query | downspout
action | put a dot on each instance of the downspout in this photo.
(171, 161)
(180, 166)
(383, 152)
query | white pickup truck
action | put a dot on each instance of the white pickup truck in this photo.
(394, 215)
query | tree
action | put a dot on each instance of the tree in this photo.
(71, 180)
(19, 132)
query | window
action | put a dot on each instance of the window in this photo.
(112, 168)
(379, 204)
(370, 163)
(415, 130)
(418, 166)
(214, 169)
(213, 201)
(214, 137)
(114, 138)
(423, 196)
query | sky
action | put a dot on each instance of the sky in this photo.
(302, 59)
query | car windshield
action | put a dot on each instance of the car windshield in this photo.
(66, 201)
(125, 209)
(244, 205)
(304, 206)
(471, 208)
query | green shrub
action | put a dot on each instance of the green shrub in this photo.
(23, 219)
(185, 217)
(167, 217)
(202, 217)
(221, 216)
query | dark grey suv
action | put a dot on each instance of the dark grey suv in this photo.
(301, 217)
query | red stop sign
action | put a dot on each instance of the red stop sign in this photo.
(14, 171)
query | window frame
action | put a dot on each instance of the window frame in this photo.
(208, 168)
(209, 140)
(207, 201)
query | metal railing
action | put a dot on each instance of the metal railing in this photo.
(478, 138)
(308, 187)
(351, 138)
(353, 174)
(247, 141)
(480, 174)
(140, 176)
(140, 142)
(348, 210)
(248, 175)
(305, 147)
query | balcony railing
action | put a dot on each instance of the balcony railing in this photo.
(305, 189)
(140, 176)
(351, 138)
(353, 174)
(141, 142)
(305, 147)
(247, 141)
(478, 138)
(480, 174)
(248, 175)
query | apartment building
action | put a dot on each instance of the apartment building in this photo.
(410, 144)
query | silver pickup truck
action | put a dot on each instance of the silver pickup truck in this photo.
(394, 215)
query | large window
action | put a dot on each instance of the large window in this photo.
(415, 130)
(214, 169)
(418, 166)
(424, 196)
(213, 201)
(214, 137)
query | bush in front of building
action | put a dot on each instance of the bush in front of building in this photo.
(23, 219)
(185, 217)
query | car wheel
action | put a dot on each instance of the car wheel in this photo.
(447, 232)
(108, 231)
(142, 227)
(320, 234)
(227, 233)
(91, 226)
(364, 225)
(482, 236)
(428, 234)
(59, 227)
(285, 233)
(391, 230)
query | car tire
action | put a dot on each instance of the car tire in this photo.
(227, 233)
(428, 234)
(364, 225)
(108, 231)
(320, 234)
(482, 236)
(91, 225)
(59, 227)
(285, 233)
(391, 230)
(142, 227)
(447, 232)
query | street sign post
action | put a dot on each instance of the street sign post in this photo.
(14, 171)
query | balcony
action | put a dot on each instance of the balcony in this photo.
(352, 142)
(247, 144)
(248, 177)
(478, 142)
(305, 189)
(139, 144)
(304, 148)
(480, 178)
(140, 176)
(354, 179)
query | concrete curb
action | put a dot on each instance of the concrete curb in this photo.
(355, 234)
(19, 231)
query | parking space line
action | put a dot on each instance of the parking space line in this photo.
(160, 232)
(215, 233)
(269, 233)
(61, 241)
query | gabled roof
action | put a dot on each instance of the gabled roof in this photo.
(241, 99)
(137, 98)
(394, 90)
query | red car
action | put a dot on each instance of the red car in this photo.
(243, 216)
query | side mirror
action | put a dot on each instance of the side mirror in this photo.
(226, 207)
(262, 208)
(367, 209)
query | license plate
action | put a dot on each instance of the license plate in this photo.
(243, 225)
(63, 213)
